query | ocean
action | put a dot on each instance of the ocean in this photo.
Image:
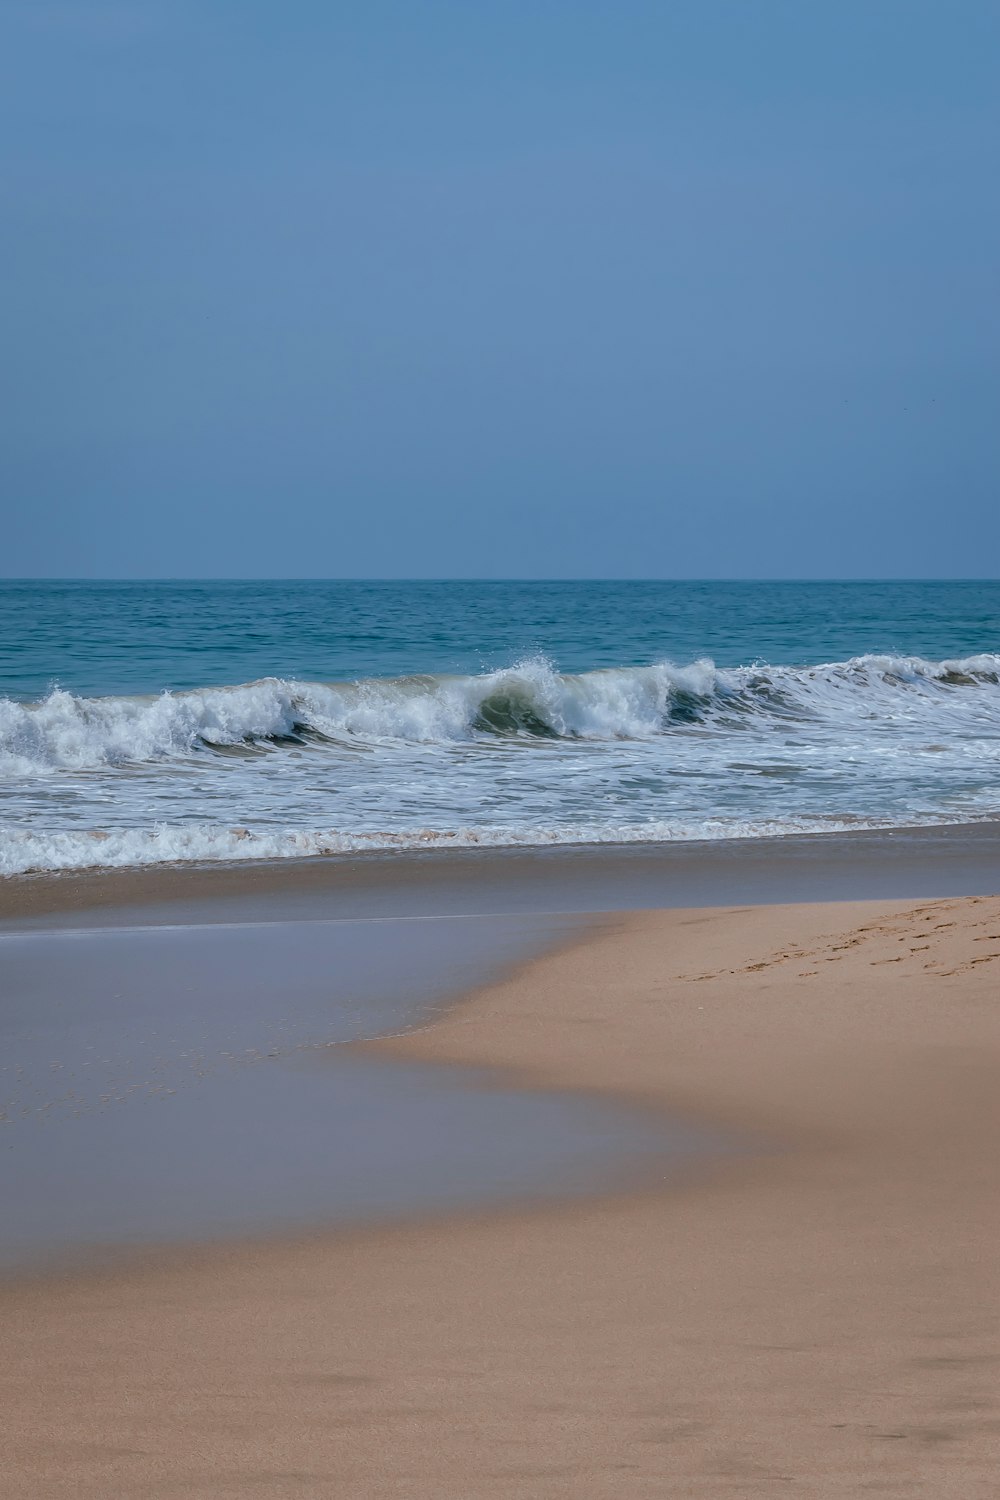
(148, 722)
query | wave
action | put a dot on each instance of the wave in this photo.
(530, 701)
(24, 853)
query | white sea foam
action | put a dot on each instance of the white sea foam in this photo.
(64, 732)
(275, 769)
(23, 853)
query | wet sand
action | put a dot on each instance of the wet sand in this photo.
(171, 1084)
(818, 1317)
(952, 860)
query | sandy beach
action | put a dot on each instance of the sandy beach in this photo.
(815, 1315)
(499, 752)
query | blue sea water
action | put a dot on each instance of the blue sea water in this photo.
(142, 722)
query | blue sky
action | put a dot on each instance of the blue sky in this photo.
(500, 289)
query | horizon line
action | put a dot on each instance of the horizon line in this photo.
(480, 579)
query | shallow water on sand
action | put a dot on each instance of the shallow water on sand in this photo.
(171, 1084)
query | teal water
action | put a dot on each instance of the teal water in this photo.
(142, 722)
(134, 637)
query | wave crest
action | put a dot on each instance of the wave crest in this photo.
(530, 701)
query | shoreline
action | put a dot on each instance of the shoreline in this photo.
(819, 1316)
(930, 860)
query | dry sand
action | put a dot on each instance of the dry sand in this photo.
(815, 1319)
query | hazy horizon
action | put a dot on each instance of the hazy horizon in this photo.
(789, 578)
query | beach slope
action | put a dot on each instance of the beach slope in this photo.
(815, 1314)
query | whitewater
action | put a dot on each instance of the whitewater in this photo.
(524, 755)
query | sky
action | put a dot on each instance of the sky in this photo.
(499, 288)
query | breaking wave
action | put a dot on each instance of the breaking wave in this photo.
(530, 702)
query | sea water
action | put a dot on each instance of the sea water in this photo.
(146, 722)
